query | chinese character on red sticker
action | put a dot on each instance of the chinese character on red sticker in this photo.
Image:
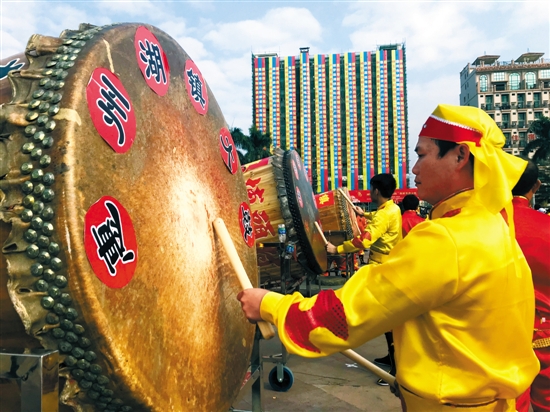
(228, 150)
(245, 223)
(111, 110)
(253, 190)
(110, 242)
(299, 197)
(262, 224)
(152, 61)
(196, 87)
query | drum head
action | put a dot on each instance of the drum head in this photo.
(118, 162)
(303, 208)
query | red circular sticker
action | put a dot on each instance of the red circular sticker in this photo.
(245, 223)
(110, 242)
(111, 110)
(295, 168)
(152, 61)
(228, 150)
(299, 197)
(196, 87)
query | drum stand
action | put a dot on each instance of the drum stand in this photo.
(280, 378)
(348, 256)
(37, 373)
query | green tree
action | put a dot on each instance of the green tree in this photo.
(242, 142)
(541, 144)
(541, 156)
(253, 147)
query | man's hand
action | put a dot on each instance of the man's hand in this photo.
(251, 299)
(331, 248)
(359, 211)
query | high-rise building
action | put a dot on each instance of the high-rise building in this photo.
(346, 114)
(513, 93)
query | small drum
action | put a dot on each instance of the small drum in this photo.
(280, 193)
(114, 161)
(337, 214)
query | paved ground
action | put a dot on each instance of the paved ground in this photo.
(331, 384)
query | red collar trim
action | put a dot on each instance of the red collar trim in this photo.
(441, 129)
(452, 213)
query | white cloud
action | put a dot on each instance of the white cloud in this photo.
(435, 36)
(193, 47)
(282, 30)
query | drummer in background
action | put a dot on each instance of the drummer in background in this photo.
(381, 234)
(410, 217)
(384, 227)
(457, 291)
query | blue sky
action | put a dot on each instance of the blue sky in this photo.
(441, 37)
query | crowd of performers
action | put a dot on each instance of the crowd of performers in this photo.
(463, 297)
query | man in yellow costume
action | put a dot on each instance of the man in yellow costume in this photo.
(457, 291)
(380, 236)
(384, 228)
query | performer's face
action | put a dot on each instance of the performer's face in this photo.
(434, 174)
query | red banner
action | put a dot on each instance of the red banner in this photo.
(363, 196)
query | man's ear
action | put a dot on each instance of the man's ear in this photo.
(536, 186)
(462, 155)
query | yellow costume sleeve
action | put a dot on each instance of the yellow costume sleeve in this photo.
(376, 228)
(376, 299)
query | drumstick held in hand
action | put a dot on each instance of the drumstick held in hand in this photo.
(381, 373)
(219, 226)
(346, 197)
(358, 358)
(352, 205)
(321, 232)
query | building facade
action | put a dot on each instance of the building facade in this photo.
(346, 114)
(513, 93)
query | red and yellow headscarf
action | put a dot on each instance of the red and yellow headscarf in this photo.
(495, 171)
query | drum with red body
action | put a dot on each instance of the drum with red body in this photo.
(336, 214)
(280, 193)
(115, 160)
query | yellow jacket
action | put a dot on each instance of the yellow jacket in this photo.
(459, 310)
(384, 228)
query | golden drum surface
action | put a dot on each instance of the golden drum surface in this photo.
(115, 160)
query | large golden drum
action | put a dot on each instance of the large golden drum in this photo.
(280, 193)
(115, 161)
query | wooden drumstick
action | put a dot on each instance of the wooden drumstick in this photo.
(346, 197)
(352, 205)
(219, 226)
(321, 232)
(381, 373)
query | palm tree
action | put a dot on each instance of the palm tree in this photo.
(261, 142)
(541, 156)
(250, 148)
(242, 142)
(541, 144)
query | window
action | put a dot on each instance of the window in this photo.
(544, 74)
(521, 100)
(505, 120)
(538, 115)
(489, 102)
(530, 80)
(521, 120)
(514, 81)
(483, 83)
(498, 77)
